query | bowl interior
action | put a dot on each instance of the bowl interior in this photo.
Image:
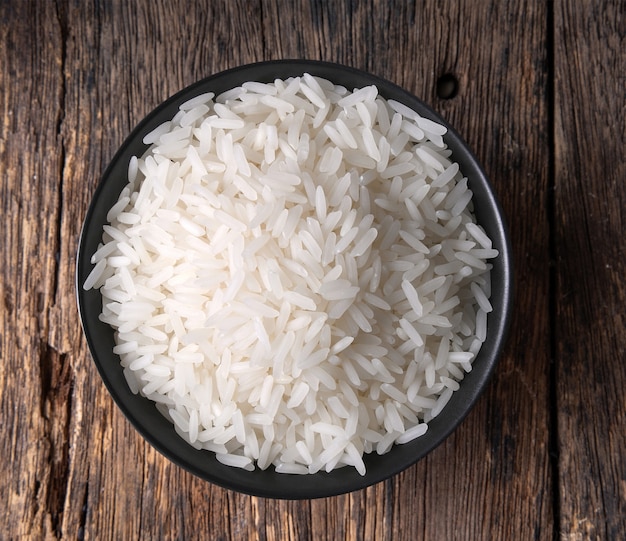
(142, 412)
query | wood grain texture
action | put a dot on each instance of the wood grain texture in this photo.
(75, 77)
(590, 200)
(34, 445)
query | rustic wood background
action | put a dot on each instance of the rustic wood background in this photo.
(541, 98)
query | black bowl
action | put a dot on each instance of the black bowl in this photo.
(160, 433)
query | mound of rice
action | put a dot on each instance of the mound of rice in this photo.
(294, 274)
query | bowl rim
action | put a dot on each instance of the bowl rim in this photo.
(159, 432)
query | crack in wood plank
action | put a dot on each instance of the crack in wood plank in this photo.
(56, 411)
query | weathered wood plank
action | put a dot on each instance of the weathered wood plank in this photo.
(590, 202)
(121, 60)
(498, 53)
(34, 378)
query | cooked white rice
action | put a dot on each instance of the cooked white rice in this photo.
(295, 275)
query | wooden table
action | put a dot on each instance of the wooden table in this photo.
(541, 98)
